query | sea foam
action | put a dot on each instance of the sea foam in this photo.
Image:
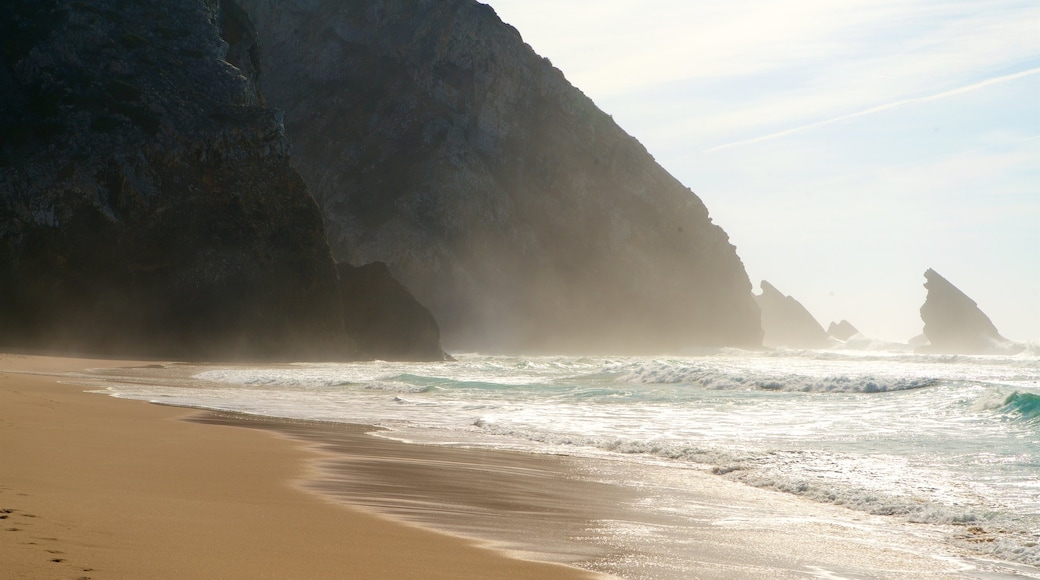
(710, 377)
(949, 440)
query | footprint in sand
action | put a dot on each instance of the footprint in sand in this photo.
(10, 513)
(6, 513)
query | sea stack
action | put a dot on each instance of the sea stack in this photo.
(148, 205)
(786, 322)
(842, 331)
(436, 141)
(953, 322)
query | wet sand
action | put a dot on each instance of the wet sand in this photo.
(593, 513)
(96, 487)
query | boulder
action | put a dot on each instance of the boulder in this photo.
(953, 322)
(786, 322)
(436, 141)
(383, 317)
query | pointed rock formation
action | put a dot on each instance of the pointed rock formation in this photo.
(953, 322)
(842, 330)
(384, 318)
(786, 322)
(148, 205)
(435, 140)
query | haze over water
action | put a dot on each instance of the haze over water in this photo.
(845, 147)
(940, 454)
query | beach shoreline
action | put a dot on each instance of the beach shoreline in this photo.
(240, 493)
(96, 487)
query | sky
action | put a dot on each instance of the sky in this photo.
(845, 147)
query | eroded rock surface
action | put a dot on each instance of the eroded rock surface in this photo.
(436, 141)
(786, 322)
(842, 330)
(953, 323)
(147, 201)
(384, 318)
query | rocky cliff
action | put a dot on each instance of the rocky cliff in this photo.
(953, 322)
(786, 322)
(435, 140)
(384, 318)
(147, 200)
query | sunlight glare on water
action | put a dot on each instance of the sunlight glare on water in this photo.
(931, 439)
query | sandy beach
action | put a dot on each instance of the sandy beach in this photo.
(96, 487)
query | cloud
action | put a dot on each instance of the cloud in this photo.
(934, 167)
(774, 64)
(609, 46)
(879, 108)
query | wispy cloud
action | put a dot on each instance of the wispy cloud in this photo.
(694, 74)
(935, 166)
(613, 46)
(878, 109)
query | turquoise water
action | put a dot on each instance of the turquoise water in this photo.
(918, 439)
(1023, 405)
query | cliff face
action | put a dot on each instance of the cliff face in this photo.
(147, 201)
(786, 322)
(953, 322)
(383, 317)
(436, 141)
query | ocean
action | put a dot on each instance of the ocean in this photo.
(933, 455)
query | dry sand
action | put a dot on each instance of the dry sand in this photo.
(96, 487)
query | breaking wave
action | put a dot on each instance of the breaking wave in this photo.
(1023, 406)
(983, 530)
(709, 377)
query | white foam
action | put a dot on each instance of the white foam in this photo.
(712, 377)
(881, 432)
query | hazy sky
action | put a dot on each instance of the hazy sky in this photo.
(845, 147)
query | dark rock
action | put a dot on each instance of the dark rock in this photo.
(786, 322)
(436, 141)
(842, 330)
(953, 322)
(383, 317)
(148, 205)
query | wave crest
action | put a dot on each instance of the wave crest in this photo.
(708, 377)
(1023, 405)
(986, 531)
